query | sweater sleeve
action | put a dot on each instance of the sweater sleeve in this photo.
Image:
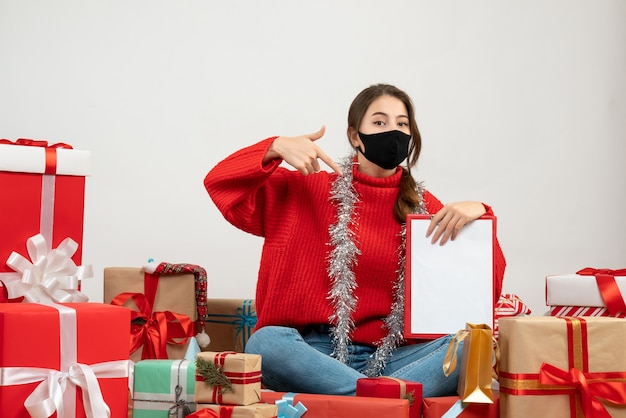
(237, 186)
(433, 205)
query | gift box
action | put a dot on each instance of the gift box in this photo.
(157, 299)
(583, 311)
(508, 304)
(164, 388)
(256, 410)
(390, 387)
(228, 378)
(562, 367)
(230, 323)
(324, 406)
(44, 193)
(451, 406)
(80, 351)
(589, 287)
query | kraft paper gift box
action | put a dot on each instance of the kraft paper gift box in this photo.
(324, 406)
(451, 406)
(390, 387)
(164, 388)
(230, 323)
(88, 341)
(175, 293)
(43, 189)
(228, 378)
(255, 410)
(589, 292)
(562, 367)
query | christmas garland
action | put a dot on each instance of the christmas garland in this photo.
(342, 258)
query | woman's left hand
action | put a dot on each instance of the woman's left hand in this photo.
(448, 222)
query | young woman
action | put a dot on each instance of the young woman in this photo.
(330, 290)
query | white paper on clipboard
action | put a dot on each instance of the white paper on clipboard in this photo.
(448, 285)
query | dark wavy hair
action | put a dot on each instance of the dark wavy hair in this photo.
(408, 198)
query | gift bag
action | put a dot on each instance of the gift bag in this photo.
(477, 363)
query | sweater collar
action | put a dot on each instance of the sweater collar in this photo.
(390, 181)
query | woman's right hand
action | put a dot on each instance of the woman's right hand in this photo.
(301, 152)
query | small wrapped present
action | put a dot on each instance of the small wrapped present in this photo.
(43, 189)
(164, 388)
(583, 311)
(255, 410)
(166, 299)
(324, 406)
(228, 378)
(509, 304)
(390, 387)
(562, 367)
(229, 323)
(82, 371)
(589, 287)
(452, 406)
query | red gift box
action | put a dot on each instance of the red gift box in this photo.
(324, 406)
(437, 407)
(83, 343)
(43, 189)
(390, 387)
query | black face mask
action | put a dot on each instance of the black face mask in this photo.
(386, 149)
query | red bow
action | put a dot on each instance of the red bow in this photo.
(609, 290)
(204, 413)
(590, 386)
(35, 143)
(51, 150)
(154, 330)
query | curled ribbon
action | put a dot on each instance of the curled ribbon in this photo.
(49, 276)
(4, 295)
(590, 390)
(35, 143)
(154, 330)
(286, 409)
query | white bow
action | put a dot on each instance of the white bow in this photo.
(49, 277)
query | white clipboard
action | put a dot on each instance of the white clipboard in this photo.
(447, 286)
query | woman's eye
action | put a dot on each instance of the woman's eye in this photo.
(403, 124)
(379, 123)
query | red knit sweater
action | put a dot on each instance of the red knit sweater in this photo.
(293, 212)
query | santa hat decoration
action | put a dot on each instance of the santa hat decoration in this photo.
(200, 277)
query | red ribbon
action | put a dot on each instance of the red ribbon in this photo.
(236, 378)
(204, 413)
(591, 391)
(51, 150)
(607, 285)
(157, 328)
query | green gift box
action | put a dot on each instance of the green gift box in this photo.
(164, 388)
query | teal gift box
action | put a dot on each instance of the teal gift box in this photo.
(164, 388)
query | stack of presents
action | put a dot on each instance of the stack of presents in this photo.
(158, 347)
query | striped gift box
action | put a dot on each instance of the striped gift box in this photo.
(583, 311)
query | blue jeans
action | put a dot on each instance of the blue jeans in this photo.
(302, 363)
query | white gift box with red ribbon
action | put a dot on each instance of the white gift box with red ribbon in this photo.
(589, 287)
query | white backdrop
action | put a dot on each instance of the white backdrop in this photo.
(521, 105)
